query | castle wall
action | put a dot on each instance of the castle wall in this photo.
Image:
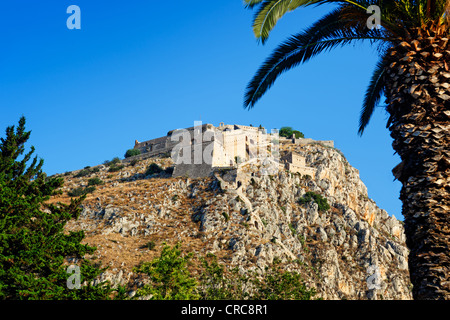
(151, 145)
(187, 166)
(303, 170)
(192, 170)
(223, 144)
(305, 141)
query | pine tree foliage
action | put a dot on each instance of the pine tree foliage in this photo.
(34, 248)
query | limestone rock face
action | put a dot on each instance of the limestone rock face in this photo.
(354, 250)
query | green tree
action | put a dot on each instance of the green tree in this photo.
(298, 134)
(412, 74)
(218, 284)
(317, 198)
(33, 244)
(132, 152)
(287, 132)
(279, 284)
(153, 168)
(169, 276)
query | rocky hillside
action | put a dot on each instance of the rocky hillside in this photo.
(337, 251)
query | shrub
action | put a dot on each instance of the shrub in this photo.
(215, 283)
(114, 167)
(153, 168)
(80, 191)
(278, 284)
(275, 283)
(89, 189)
(317, 198)
(169, 276)
(77, 192)
(287, 132)
(150, 245)
(298, 134)
(83, 173)
(169, 170)
(114, 161)
(86, 171)
(95, 181)
(226, 216)
(132, 153)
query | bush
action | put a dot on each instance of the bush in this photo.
(278, 284)
(275, 284)
(83, 173)
(216, 285)
(80, 191)
(115, 168)
(169, 276)
(77, 192)
(89, 189)
(153, 168)
(298, 134)
(95, 181)
(287, 132)
(114, 161)
(150, 245)
(321, 201)
(132, 153)
(169, 170)
(86, 172)
(114, 165)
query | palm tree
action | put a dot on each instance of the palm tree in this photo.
(412, 39)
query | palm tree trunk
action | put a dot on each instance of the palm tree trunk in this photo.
(418, 98)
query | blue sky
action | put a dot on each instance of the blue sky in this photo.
(138, 69)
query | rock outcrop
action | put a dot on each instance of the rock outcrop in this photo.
(354, 250)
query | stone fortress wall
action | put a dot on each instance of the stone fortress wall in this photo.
(229, 147)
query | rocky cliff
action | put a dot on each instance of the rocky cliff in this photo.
(353, 250)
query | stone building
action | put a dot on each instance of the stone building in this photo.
(197, 151)
(203, 147)
(296, 163)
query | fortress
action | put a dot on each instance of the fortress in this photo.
(200, 150)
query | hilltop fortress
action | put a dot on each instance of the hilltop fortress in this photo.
(200, 150)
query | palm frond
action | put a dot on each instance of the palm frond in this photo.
(268, 15)
(331, 31)
(249, 4)
(373, 94)
(270, 11)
